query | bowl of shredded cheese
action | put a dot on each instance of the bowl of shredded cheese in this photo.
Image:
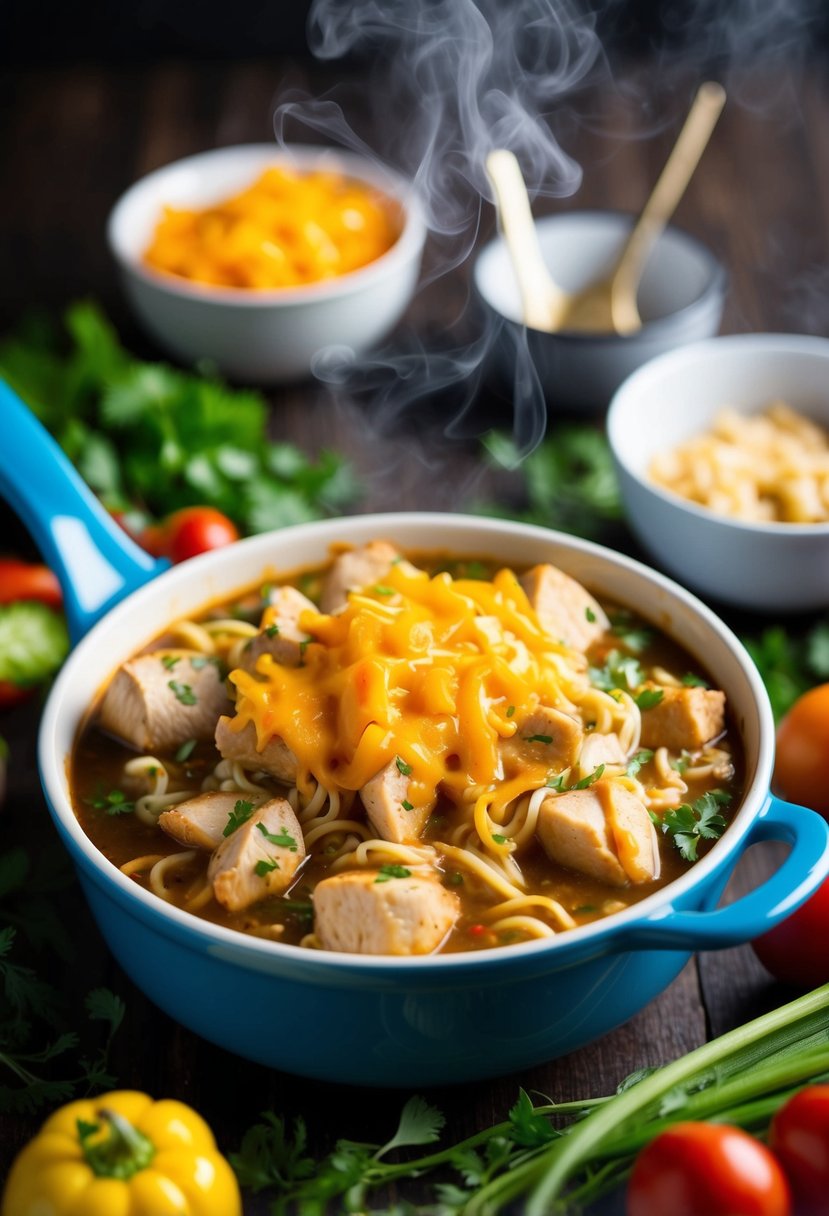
(722, 451)
(257, 258)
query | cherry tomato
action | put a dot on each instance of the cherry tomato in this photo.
(26, 581)
(795, 951)
(801, 766)
(707, 1169)
(190, 531)
(799, 1138)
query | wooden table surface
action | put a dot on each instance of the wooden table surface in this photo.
(70, 141)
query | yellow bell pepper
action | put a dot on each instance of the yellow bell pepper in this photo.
(122, 1154)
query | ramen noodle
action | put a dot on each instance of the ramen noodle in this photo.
(398, 755)
(766, 467)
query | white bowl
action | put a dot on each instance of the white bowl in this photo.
(261, 336)
(680, 300)
(763, 566)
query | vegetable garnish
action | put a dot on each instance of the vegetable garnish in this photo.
(186, 750)
(546, 739)
(114, 803)
(403, 767)
(636, 762)
(557, 783)
(386, 873)
(183, 692)
(529, 1165)
(687, 825)
(170, 660)
(648, 697)
(282, 838)
(240, 814)
(263, 868)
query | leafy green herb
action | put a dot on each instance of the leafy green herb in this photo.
(538, 739)
(240, 814)
(498, 838)
(402, 766)
(169, 660)
(590, 615)
(33, 643)
(183, 692)
(382, 589)
(551, 1156)
(186, 750)
(632, 636)
(263, 868)
(568, 481)
(114, 803)
(693, 681)
(281, 838)
(648, 698)
(388, 872)
(688, 825)
(790, 665)
(510, 710)
(619, 671)
(558, 784)
(407, 806)
(152, 436)
(638, 760)
(272, 631)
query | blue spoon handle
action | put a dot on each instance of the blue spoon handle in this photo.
(93, 557)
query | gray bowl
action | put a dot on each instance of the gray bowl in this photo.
(681, 299)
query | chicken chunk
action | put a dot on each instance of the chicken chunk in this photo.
(354, 570)
(200, 822)
(280, 634)
(362, 912)
(566, 610)
(259, 858)
(389, 812)
(159, 700)
(275, 757)
(685, 719)
(603, 831)
(600, 749)
(546, 736)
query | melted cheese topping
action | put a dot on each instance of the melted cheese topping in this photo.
(432, 673)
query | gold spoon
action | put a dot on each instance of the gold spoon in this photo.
(609, 304)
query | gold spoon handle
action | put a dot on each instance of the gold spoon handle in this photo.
(541, 298)
(671, 184)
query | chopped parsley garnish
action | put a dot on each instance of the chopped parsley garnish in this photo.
(649, 697)
(590, 615)
(510, 711)
(688, 825)
(265, 592)
(634, 638)
(114, 803)
(454, 879)
(402, 766)
(386, 873)
(303, 646)
(263, 868)
(498, 838)
(557, 783)
(240, 814)
(183, 692)
(281, 838)
(169, 660)
(585, 908)
(382, 589)
(692, 681)
(185, 751)
(681, 763)
(407, 806)
(642, 757)
(272, 631)
(538, 738)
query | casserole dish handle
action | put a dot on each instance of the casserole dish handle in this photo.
(798, 877)
(93, 557)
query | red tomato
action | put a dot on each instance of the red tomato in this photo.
(795, 951)
(191, 531)
(799, 1138)
(26, 581)
(801, 766)
(707, 1169)
(11, 694)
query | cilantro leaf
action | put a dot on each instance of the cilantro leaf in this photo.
(240, 814)
(282, 838)
(527, 1127)
(688, 825)
(638, 760)
(419, 1123)
(386, 873)
(649, 698)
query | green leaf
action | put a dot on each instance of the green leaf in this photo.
(33, 642)
(688, 825)
(637, 761)
(419, 1123)
(529, 1128)
(649, 698)
(817, 650)
(387, 873)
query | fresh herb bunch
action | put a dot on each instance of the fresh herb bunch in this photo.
(551, 1157)
(569, 481)
(42, 1061)
(151, 437)
(790, 665)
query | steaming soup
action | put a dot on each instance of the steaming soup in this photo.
(400, 755)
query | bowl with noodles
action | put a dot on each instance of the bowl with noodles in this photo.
(255, 258)
(401, 799)
(722, 452)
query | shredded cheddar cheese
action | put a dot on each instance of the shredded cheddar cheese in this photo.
(285, 230)
(435, 674)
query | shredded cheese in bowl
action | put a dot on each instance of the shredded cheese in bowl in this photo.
(287, 229)
(767, 467)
